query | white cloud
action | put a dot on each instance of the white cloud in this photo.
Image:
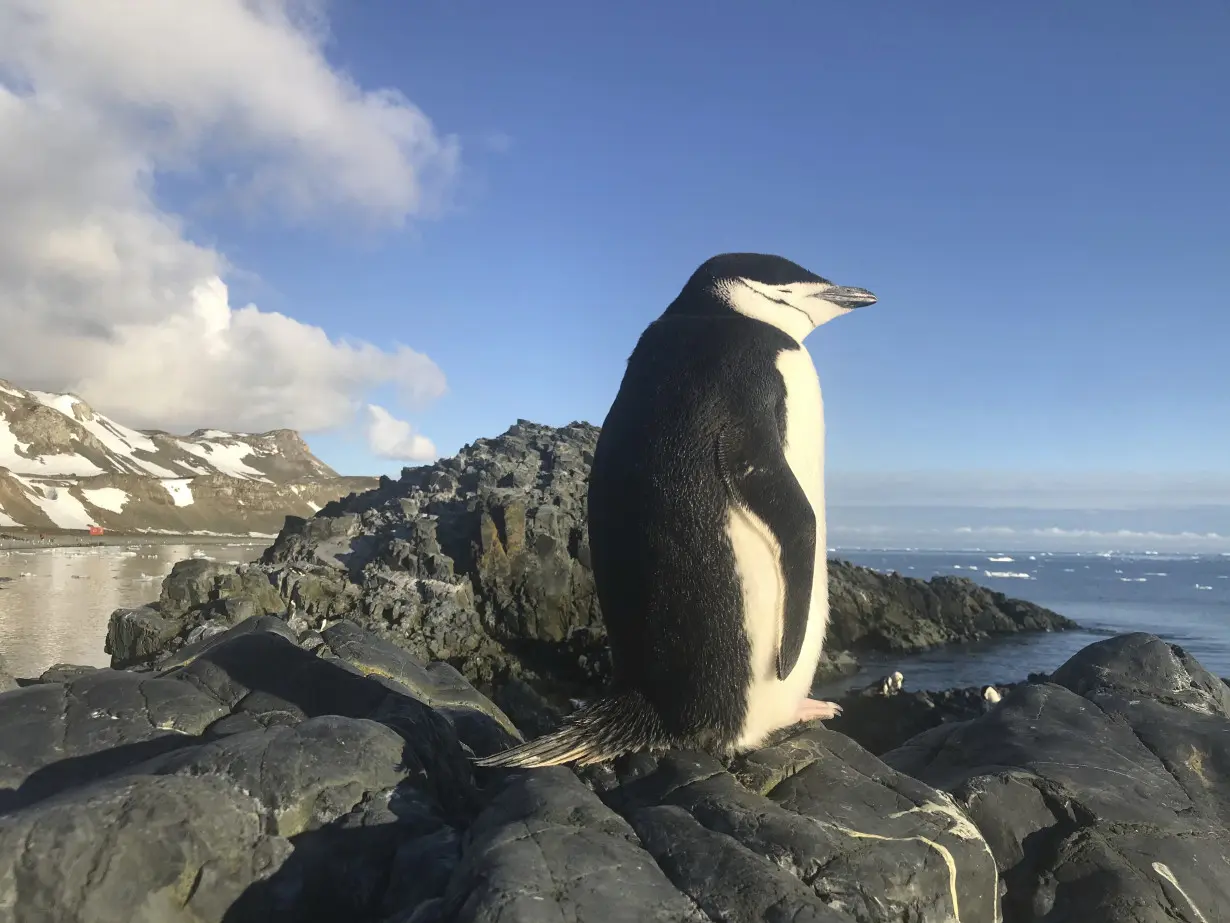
(389, 437)
(102, 292)
(1103, 490)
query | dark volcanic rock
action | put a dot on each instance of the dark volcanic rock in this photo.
(888, 612)
(138, 635)
(255, 780)
(251, 780)
(881, 723)
(482, 561)
(1102, 793)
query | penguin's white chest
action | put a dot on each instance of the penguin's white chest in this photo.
(773, 703)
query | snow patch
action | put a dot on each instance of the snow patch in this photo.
(227, 457)
(111, 499)
(181, 493)
(5, 521)
(63, 509)
(44, 465)
(156, 470)
(61, 402)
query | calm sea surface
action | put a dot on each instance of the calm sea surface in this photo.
(1184, 599)
(54, 604)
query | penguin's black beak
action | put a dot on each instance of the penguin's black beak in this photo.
(847, 296)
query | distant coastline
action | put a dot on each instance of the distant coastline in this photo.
(33, 539)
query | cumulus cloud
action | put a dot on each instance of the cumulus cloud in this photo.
(101, 290)
(389, 437)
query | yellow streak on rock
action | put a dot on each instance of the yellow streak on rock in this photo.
(1164, 871)
(1195, 762)
(947, 856)
(961, 827)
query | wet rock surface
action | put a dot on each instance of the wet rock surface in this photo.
(1103, 793)
(256, 777)
(482, 561)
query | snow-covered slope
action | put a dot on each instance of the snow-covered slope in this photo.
(64, 466)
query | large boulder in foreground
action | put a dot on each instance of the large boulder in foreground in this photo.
(1105, 793)
(482, 560)
(256, 777)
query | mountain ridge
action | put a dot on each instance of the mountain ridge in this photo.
(64, 466)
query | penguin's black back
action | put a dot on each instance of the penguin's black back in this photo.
(658, 514)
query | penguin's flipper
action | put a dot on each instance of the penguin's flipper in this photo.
(754, 468)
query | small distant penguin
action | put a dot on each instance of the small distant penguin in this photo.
(886, 685)
(706, 522)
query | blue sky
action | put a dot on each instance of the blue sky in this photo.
(1036, 192)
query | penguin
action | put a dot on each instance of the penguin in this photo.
(706, 522)
(886, 685)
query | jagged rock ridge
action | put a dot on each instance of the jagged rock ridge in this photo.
(65, 466)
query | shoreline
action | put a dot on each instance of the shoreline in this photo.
(32, 540)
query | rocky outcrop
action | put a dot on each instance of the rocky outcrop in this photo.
(1103, 793)
(881, 721)
(255, 779)
(888, 612)
(268, 774)
(65, 466)
(482, 561)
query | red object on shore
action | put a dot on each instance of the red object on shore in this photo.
(96, 530)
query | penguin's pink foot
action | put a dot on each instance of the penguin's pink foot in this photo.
(812, 710)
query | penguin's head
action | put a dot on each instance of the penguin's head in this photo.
(768, 288)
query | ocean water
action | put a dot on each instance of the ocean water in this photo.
(1184, 599)
(55, 602)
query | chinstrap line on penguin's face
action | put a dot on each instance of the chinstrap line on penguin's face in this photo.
(797, 308)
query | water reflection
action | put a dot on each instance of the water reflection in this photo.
(55, 602)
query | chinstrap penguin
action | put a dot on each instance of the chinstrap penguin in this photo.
(706, 522)
(886, 685)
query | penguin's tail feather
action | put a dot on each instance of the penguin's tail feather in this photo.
(600, 731)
